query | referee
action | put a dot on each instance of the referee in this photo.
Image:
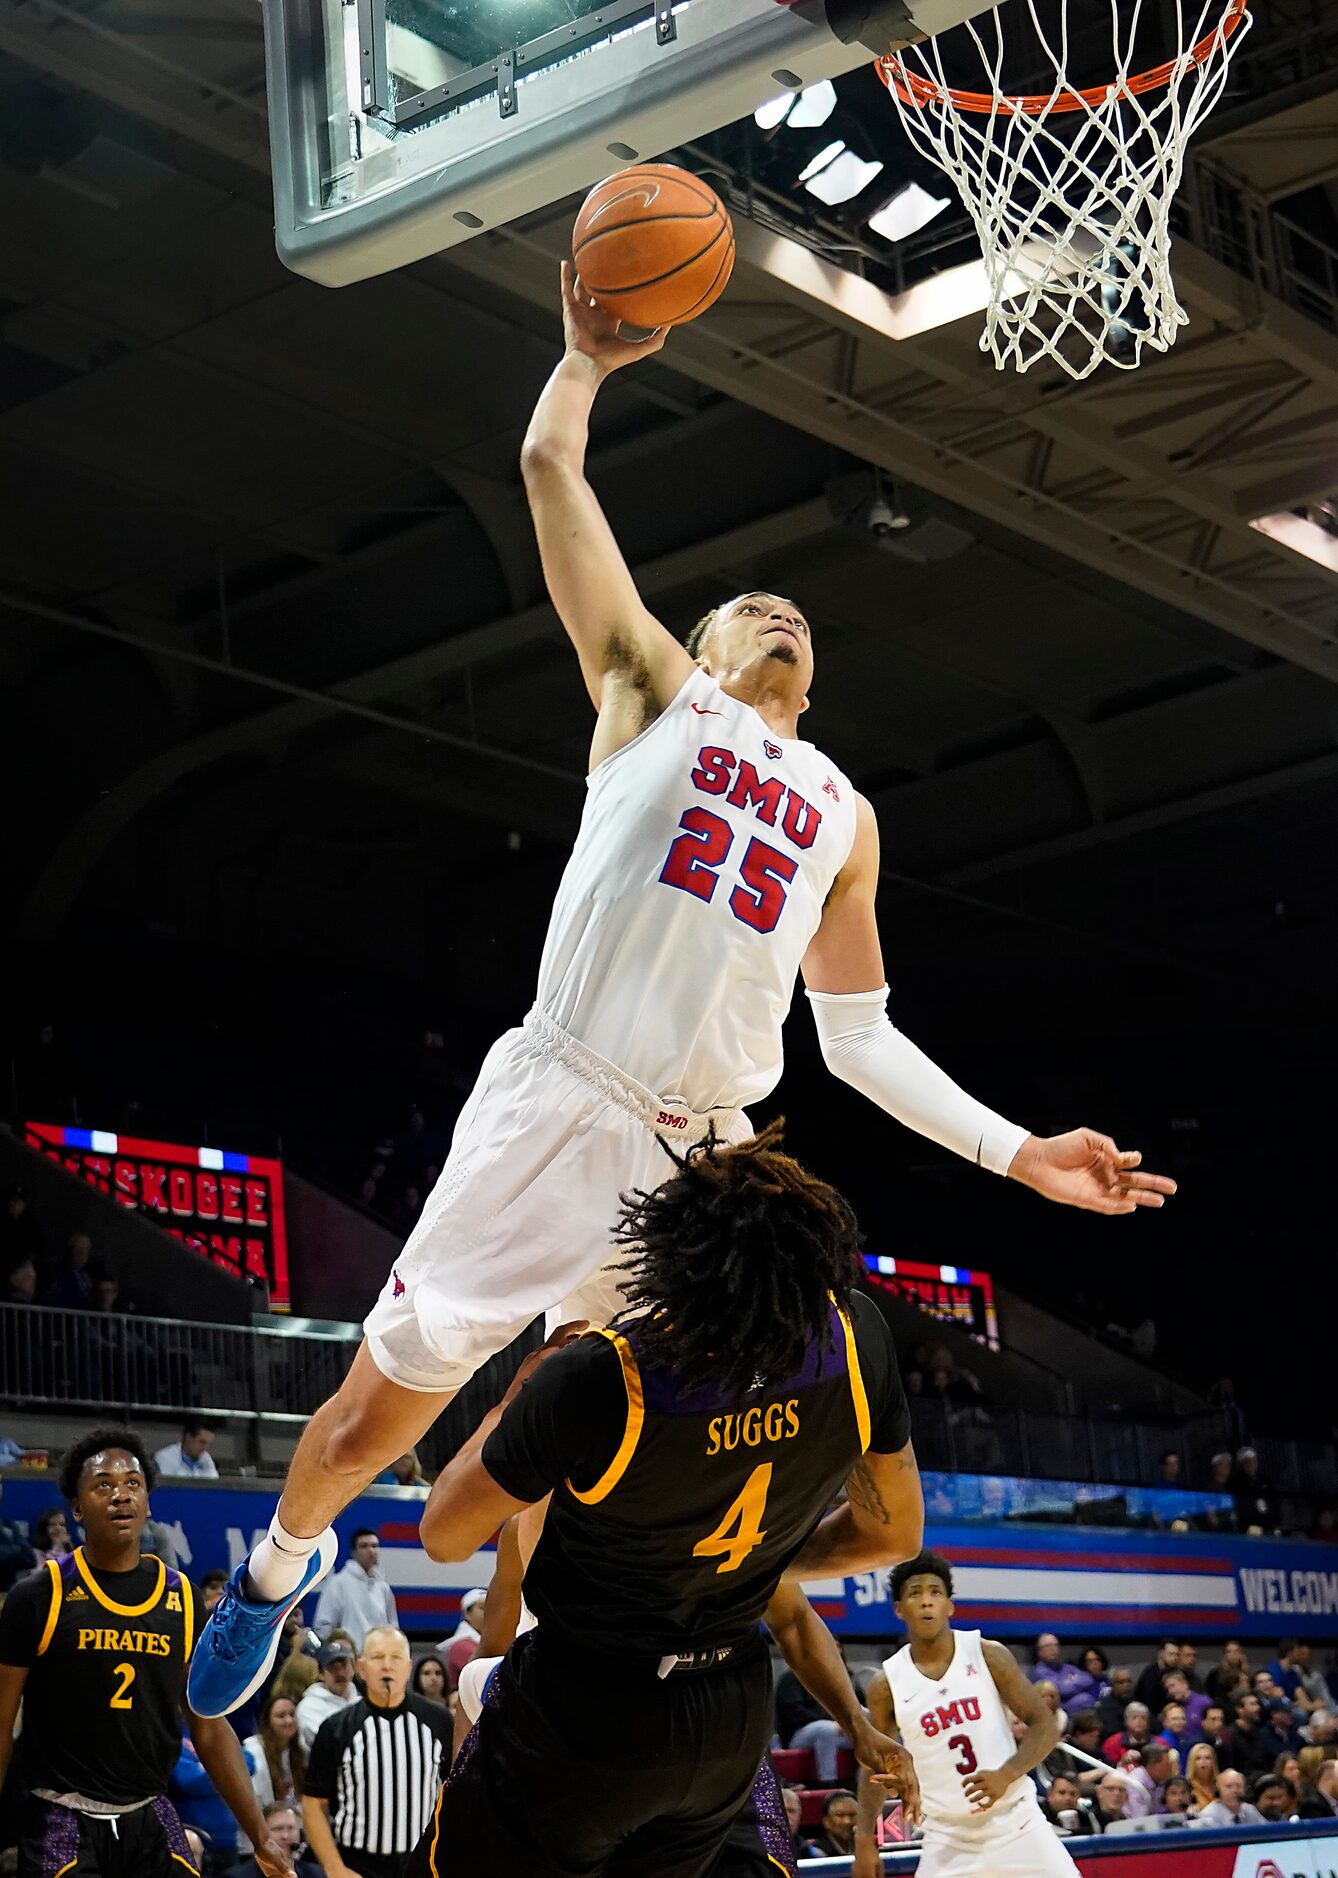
(375, 1768)
(691, 1452)
(95, 1646)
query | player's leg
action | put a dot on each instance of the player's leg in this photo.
(760, 1842)
(149, 1843)
(1033, 1850)
(54, 1839)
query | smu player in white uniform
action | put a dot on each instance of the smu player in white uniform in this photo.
(719, 854)
(948, 1694)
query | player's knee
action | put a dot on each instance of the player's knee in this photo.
(350, 1440)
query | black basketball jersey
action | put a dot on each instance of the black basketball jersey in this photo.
(106, 1655)
(680, 1542)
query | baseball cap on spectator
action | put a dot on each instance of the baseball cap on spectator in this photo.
(1247, 1454)
(339, 1652)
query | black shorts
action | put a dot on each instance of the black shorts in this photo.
(580, 1765)
(58, 1843)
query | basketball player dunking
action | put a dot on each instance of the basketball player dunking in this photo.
(719, 854)
(948, 1694)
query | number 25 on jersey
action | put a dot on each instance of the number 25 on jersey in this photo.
(695, 858)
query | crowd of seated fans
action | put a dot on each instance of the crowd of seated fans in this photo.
(1233, 1743)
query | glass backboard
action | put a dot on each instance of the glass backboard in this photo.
(401, 127)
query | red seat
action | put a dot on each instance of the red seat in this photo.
(845, 1768)
(811, 1803)
(797, 1767)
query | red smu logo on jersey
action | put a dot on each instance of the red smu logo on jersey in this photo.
(719, 771)
(952, 1716)
(773, 750)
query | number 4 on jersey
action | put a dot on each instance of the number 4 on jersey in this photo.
(740, 1531)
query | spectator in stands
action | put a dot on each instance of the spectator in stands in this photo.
(1314, 1692)
(1256, 1503)
(429, 1680)
(1188, 1666)
(1136, 1733)
(212, 1586)
(1097, 1666)
(405, 1472)
(840, 1815)
(1175, 1730)
(1169, 1470)
(189, 1458)
(802, 1722)
(1076, 1688)
(275, 1755)
(1321, 1730)
(357, 1598)
(21, 1286)
(1084, 1733)
(1230, 1808)
(1177, 1796)
(1289, 1766)
(71, 1286)
(1196, 1706)
(286, 1831)
(1110, 1709)
(199, 1804)
(20, 1235)
(1151, 1685)
(1146, 1780)
(1319, 1799)
(1112, 1794)
(794, 1812)
(50, 1535)
(1264, 1687)
(1049, 1694)
(1249, 1746)
(1274, 1797)
(332, 1691)
(1280, 1729)
(1202, 1770)
(1222, 1679)
(1063, 1798)
(17, 1557)
(1213, 1728)
(1289, 1678)
(298, 1672)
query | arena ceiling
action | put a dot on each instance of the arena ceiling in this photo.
(267, 564)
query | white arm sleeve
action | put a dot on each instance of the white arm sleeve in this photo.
(861, 1046)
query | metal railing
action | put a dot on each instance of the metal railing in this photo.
(143, 1365)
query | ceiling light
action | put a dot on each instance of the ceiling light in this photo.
(842, 179)
(774, 111)
(826, 155)
(813, 106)
(910, 210)
(1301, 536)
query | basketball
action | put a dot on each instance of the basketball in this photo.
(654, 245)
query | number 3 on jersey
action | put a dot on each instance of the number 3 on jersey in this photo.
(740, 1531)
(696, 856)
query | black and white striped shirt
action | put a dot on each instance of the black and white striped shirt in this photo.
(379, 1770)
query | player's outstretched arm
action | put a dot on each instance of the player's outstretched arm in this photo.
(12, 1679)
(880, 1522)
(882, 1717)
(631, 665)
(1044, 1730)
(843, 973)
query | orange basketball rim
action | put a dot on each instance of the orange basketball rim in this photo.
(920, 92)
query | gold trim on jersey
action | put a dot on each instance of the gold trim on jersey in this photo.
(436, 1833)
(861, 1400)
(188, 1618)
(779, 1867)
(186, 1862)
(121, 1610)
(53, 1615)
(636, 1415)
(70, 1867)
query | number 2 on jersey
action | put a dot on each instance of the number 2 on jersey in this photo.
(125, 1672)
(740, 1531)
(696, 856)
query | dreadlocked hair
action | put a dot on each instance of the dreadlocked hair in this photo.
(733, 1263)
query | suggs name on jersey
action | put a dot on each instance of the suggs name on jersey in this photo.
(778, 1421)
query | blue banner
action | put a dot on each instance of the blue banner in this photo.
(1011, 1581)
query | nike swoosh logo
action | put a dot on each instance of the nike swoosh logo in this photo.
(702, 711)
(645, 192)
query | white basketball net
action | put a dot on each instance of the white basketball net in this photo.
(1071, 193)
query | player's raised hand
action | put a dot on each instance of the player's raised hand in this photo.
(889, 1766)
(272, 1859)
(987, 1785)
(560, 1338)
(1083, 1168)
(595, 334)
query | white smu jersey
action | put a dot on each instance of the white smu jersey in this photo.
(706, 852)
(952, 1727)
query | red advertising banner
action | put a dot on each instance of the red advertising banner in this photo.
(225, 1207)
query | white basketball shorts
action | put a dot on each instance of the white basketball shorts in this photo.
(1031, 1849)
(520, 1223)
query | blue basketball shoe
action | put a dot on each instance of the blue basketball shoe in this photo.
(239, 1643)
